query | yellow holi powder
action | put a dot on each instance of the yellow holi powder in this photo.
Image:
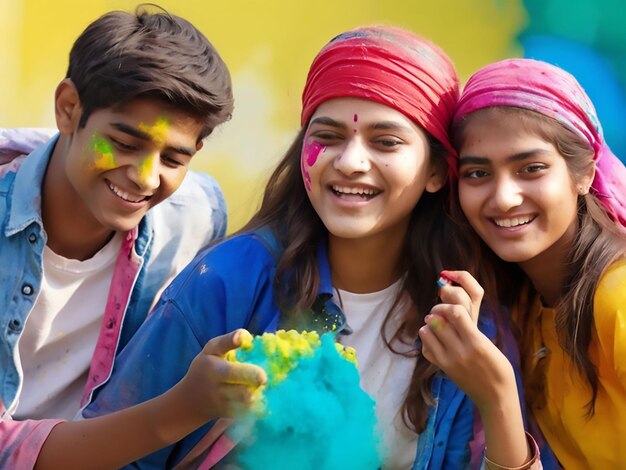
(158, 133)
(279, 353)
(158, 130)
(146, 167)
(104, 158)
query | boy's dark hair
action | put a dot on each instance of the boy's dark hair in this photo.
(122, 56)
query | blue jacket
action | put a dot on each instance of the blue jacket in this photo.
(230, 286)
(168, 237)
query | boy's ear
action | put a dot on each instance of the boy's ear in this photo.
(67, 107)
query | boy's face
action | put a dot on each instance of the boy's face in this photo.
(129, 158)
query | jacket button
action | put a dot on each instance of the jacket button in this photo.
(15, 324)
(32, 238)
(27, 289)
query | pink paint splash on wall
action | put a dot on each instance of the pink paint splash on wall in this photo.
(310, 152)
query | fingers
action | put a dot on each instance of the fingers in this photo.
(220, 345)
(466, 292)
(432, 349)
(237, 398)
(451, 317)
(245, 374)
(232, 372)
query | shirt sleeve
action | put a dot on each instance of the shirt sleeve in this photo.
(21, 441)
(21, 141)
(610, 318)
(212, 296)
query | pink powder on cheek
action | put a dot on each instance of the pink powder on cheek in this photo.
(305, 174)
(310, 152)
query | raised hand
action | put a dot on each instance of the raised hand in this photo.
(452, 341)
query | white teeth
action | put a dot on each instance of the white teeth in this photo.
(124, 195)
(359, 191)
(513, 222)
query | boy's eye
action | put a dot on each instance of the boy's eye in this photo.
(171, 161)
(123, 146)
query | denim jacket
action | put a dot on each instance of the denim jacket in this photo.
(167, 238)
(231, 285)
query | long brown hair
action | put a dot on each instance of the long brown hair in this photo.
(286, 209)
(599, 242)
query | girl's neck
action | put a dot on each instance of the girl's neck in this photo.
(364, 265)
(548, 271)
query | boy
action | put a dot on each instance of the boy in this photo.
(82, 255)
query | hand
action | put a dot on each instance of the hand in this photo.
(214, 387)
(452, 341)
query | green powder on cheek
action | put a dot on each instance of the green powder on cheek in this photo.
(104, 158)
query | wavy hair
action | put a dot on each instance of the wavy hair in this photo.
(286, 208)
(599, 242)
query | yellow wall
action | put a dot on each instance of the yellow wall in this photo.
(268, 45)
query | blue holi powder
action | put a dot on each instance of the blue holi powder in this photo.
(317, 418)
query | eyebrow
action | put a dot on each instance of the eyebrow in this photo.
(382, 125)
(138, 133)
(326, 121)
(517, 157)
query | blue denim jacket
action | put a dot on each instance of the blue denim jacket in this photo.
(229, 286)
(167, 238)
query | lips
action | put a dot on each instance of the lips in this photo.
(125, 195)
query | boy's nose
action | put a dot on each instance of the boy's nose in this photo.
(145, 173)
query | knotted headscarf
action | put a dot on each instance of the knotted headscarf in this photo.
(390, 66)
(551, 91)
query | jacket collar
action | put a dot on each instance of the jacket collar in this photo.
(25, 202)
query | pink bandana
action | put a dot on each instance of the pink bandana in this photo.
(390, 66)
(549, 90)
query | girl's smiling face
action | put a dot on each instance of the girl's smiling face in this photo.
(516, 189)
(365, 166)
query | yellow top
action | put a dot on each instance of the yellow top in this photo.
(579, 442)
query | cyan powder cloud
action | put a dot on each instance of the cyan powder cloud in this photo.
(312, 413)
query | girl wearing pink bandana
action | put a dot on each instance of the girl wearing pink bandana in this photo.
(351, 237)
(546, 199)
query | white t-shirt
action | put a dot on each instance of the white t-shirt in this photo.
(61, 332)
(384, 375)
